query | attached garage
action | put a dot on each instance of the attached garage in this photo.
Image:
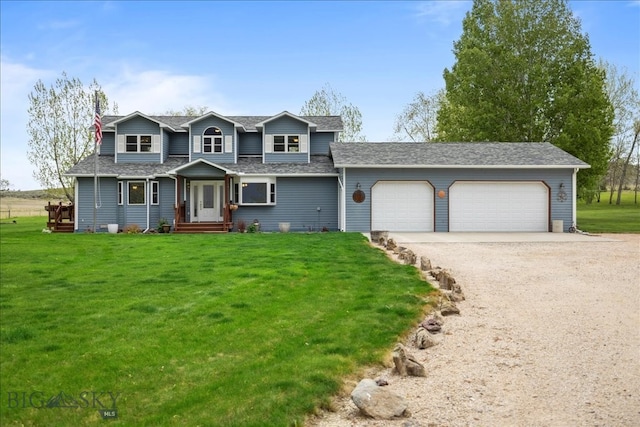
(402, 206)
(499, 206)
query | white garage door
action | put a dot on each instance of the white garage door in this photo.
(402, 206)
(499, 206)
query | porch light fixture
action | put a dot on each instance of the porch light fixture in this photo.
(562, 195)
(357, 186)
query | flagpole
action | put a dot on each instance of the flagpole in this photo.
(98, 130)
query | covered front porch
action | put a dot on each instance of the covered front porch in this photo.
(203, 199)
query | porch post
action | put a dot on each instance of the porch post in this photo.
(178, 200)
(227, 198)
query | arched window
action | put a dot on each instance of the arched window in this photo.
(212, 140)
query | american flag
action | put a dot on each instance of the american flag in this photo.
(98, 122)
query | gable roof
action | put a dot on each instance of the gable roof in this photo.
(119, 119)
(452, 154)
(287, 114)
(323, 123)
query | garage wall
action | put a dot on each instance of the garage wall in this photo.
(358, 215)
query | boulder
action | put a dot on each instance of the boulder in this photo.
(406, 364)
(423, 339)
(391, 244)
(448, 308)
(407, 256)
(379, 237)
(378, 402)
(425, 263)
(432, 324)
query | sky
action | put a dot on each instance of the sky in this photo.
(251, 58)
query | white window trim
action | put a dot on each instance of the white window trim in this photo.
(269, 181)
(155, 185)
(287, 150)
(120, 193)
(144, 193)
(122, 143)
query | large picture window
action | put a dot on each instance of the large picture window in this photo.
(136, 193)
(256, 191)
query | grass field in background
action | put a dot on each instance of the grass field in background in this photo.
(610, 218)
(218, 330)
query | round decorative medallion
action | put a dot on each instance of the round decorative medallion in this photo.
(358, 196)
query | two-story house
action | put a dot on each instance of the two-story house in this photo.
(213, 172)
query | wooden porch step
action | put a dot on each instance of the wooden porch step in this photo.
(201, 227)
(62, 227)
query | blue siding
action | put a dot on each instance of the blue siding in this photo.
(179, 144)
(111, 213)
(167, 201)
(106, 214)
(319, 142)
(138, 126)
(250, 144)
(108, 146)
(227, 128)
(139, 158)
(166, 141)
(297, 202)
(359, 214)
(285, 125)
(286, 158)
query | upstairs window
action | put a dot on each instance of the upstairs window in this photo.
(138, 144)
(286, 143)
(212, 140)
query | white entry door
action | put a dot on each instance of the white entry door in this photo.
(207, 201)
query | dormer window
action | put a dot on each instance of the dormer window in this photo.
(286, 143)
(138, 143)
(212, 140)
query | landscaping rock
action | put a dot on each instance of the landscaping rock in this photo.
(407, 256)
(423, 339)
(448, 308)
(432, 324)
(406, 364)
(379, 237)
(425, 263)
(378, 402)
(391, 244)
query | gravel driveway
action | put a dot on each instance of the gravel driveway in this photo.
(549, 335)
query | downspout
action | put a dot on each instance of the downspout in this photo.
(343, 185)
(574, 219)
(148, 205)
(175, 198)
(76, 195)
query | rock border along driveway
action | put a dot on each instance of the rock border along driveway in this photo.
(549, 335)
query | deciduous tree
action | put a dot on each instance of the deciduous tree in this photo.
(59, 128)
(326, 102)
(524, 72)
(417, 122)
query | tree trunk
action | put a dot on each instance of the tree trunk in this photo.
(626, 163)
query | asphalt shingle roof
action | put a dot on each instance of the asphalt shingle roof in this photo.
(325, 123)
(320, 165)
(451, 154)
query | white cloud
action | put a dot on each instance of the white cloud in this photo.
(16, 82)
(442, 12)
(157, 91)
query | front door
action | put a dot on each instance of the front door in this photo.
(207, 201)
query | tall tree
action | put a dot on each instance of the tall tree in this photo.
(417, 122)
(621, 90)
(326, 102)
(525, 72)
(59, 128)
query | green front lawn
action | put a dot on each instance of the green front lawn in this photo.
(605, 218)
(233, 329)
